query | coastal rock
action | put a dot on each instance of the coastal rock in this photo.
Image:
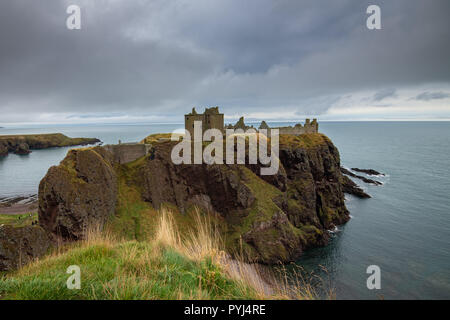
(3, 149)
(78, 194)
(315, 182)
(164, 182)
(274, 240)
(268, 218)
(352, 188)
(20, 245)
(366, 180)
(370, 172)
(22, 148)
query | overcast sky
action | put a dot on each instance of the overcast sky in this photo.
(152, 61)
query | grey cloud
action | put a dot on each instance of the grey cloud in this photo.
(427, 96)
(383, 94)
(164, 57)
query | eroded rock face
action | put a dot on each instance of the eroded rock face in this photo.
(20, 245)
(269, 218)
(3, 149)
(184, 185)
(78, 194)
(22, 148)
(352, 188)
(315, 184)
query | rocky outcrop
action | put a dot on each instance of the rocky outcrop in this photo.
(20, 245)
(3, 150)
(22, 148)
(78, 194)
(350, 187)
(266, 219)
(22, 144)
(364, 179)
(370, 172)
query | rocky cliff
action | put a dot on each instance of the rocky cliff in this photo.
(22, 144)
(20, 245)
(78, 194)
(266, 219)
(269, 218)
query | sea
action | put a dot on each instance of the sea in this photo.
(404, 229)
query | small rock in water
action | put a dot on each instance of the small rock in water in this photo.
(368, 171)
(366, 180)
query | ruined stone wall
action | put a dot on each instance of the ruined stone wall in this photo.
(298, 129)
(209, 121)
(124, 153)
(213, 121)
(189, 122)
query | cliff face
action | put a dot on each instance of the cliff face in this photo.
(267, 219)
(78, 194)
(21, 144)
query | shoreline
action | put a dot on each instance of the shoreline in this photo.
(16, 205)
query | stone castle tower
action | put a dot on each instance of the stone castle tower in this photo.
(211, 119)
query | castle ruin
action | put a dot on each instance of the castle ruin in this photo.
(298, 129)
(213, 119)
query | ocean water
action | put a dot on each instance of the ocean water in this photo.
(404, 228)
(20, 174)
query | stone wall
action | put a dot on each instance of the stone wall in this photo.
(189, 122)
(211, 119)
(127, 152)
(298, 129)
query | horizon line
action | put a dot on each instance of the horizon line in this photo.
(6, 125)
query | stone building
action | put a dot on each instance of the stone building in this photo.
(128, 152)
(211, 119)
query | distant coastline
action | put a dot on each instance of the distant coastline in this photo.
(22, 144)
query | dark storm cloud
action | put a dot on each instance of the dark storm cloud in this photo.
(427, 96)
(163, 57)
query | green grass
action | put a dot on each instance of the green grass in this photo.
(127, 261)
(307, 140)
(124, 270)
(18, 220)
(153, 138)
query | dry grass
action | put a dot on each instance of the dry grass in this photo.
(169, 264)
(204, 241)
